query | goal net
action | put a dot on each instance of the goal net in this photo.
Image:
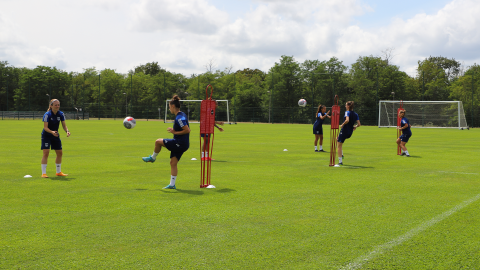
(192, 109)
(425, 114)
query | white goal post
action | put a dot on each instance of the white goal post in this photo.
(192, 109)
(423, 114)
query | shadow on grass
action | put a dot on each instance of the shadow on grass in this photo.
(190, 192)
(63, 178)
(356, 167)
(225, 190)
(219, 160)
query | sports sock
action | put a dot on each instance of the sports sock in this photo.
(44, 168)
(203, 154)
(206, 154)
(315, 148)
(59, 168)
(406, 152)
(172, 180)
(321, 147)
(339, 159)
(154, 155)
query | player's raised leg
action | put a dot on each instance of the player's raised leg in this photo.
(158, 147)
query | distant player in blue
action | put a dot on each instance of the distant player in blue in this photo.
(178, 145)
(50, 137)
(347, 127)
(317, 126)
(406, 133)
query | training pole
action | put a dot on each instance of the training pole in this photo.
(335, 122)
(207, 123)
(399, 124)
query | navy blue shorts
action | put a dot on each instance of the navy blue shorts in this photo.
(53, 143)
(318, 130)
(176, 149)
(405, 137)
(343, 136)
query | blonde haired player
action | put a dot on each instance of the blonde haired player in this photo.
(51, 138)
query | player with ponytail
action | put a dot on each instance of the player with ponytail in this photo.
(406, 133)
(318, 128)
(178, 145)
(347, 127)
(51, 138)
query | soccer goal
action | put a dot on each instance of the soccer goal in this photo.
(192, 109)
(423, 114)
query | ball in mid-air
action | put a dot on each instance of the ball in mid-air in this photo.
(129, 122)
(302, 103)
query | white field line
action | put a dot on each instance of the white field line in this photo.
(360, 261)
(458, 172)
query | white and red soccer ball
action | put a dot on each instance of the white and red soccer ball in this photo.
(302, 103)
(129, 122)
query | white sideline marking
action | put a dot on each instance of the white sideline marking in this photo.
(458, 172)
(360, 261)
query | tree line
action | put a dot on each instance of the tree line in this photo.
(366, 81)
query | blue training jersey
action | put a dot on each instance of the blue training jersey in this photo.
(319, 120)
(180, 121)
(352, 119)
(53, 121)
(406, 131)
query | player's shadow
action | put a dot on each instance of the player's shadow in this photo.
(189, 192)
(219, 161)
(415, 156)
(62, 179)
(351, 167)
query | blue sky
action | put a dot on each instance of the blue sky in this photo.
(183, 36)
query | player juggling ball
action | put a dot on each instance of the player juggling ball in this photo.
(318, 128)
(406, 133)
(178, 145)
(347, 127)
(51, 138)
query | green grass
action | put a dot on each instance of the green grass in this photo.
(271, 209)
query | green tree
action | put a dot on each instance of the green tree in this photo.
(149, 69)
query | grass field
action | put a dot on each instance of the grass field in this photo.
(272, 209)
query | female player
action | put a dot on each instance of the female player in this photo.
(51, 138)
(347, 128)
(317, 126)
(207, 139)
(178, 145)
(406, 133)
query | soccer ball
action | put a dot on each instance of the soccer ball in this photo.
(129, 122)
(302, 103)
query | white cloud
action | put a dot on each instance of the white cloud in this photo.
(15, 49)
(189, 16)
(183, 36)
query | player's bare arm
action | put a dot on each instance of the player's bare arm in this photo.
(65, 128)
